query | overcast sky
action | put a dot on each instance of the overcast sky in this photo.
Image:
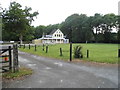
(56, 11)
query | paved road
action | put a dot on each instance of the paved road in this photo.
(51, 73)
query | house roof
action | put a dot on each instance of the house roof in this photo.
(53, 31)
(48, 38)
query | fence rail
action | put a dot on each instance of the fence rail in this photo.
(6, 54)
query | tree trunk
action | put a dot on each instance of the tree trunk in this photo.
(21, 37)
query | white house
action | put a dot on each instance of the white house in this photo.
(56, 36)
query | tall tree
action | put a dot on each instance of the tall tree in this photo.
(69, 25)
(17, 20)
(109, 21)
(39, 30)
(80, 27)
(96, 22)
(0, 29)
(118, 23)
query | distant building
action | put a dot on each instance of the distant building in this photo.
(56, 36)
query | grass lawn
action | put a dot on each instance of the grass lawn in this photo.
(104, 53)
(22, 72)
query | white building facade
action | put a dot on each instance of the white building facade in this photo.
(56, 36)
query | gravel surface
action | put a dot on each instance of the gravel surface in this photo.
(52, 73)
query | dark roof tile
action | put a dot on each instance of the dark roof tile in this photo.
(53, 31)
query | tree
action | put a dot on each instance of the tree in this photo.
(50, 27)
(39, 30)
(17, 20)
(109, 21)
(96, 22)
(28, 36)
(118, 23)
(1, 24)
(80, 27)
(68, 25)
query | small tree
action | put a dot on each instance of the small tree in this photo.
(78, 52)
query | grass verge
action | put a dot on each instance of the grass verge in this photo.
(102, 53)
(22, 72)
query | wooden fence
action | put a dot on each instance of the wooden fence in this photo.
(9, 58)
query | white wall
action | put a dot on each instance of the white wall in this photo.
(58, 34)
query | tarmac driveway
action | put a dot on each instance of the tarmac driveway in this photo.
(51, 73)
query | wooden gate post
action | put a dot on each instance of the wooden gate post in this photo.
(15, 58)
(10, 58)
(17, 64)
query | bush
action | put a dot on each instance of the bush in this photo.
(78, 52)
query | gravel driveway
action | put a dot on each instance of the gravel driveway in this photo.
(52, 73)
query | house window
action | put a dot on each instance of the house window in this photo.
(55, 35)
(59, 35)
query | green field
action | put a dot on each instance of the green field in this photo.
(104, 53)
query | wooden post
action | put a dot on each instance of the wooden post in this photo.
(15, 58)
(118, 52)
(10, 58)
(70, 51)
(87, 53)
(24, 46)
(17, 62)
(46, 49)
(35, 48)
(60, 51)
(29, 46)
(20, 46)
(43, 47)
(70, 44)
